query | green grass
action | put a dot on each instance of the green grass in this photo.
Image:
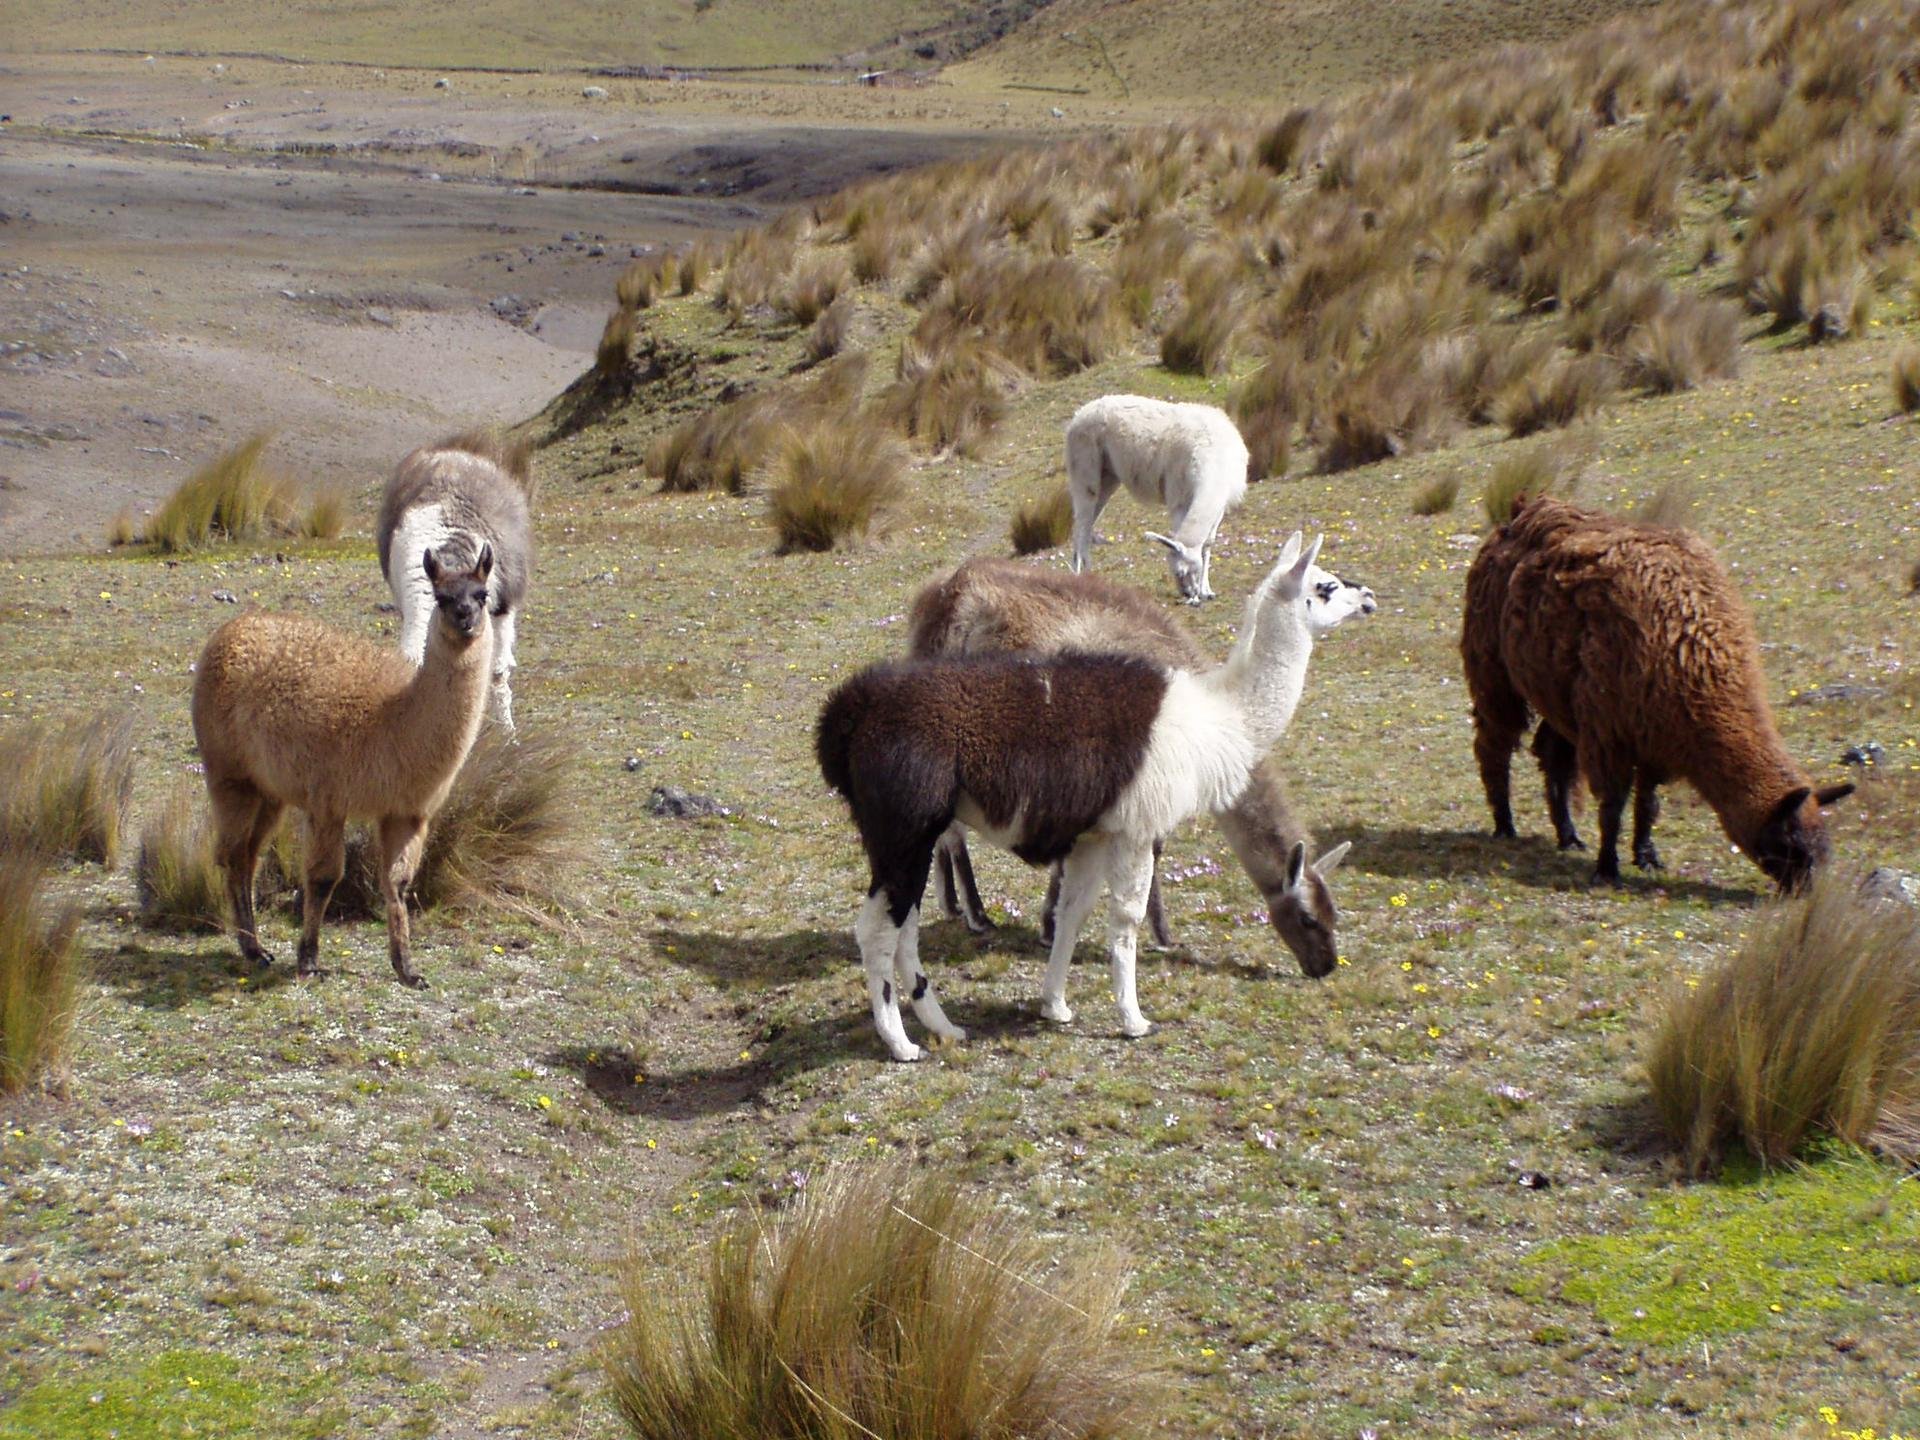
(172, 1396)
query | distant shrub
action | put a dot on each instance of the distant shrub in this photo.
(1198, 340)
(829, 333)
(834, 480)
(693, 268)
(951, 397)
(179, 884)
(876, 250)
(1570, 388)
(65, 789)
(1042, 524)
(1395, 407)
(885, 1304)
(122, 530)
(1285, 144)
(615, 349)
(39, 977)
(1050, 316)
(1525, 473)
(325, 516)
(813, 286)
(1267, 407)
(1814, 1025)
(720, 448)
(642, 281)
(1685, 344)
(758, 263)
(1437, 496)
(236, 496)
(1906, 378)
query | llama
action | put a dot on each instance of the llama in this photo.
(1633, 647)
(451, 498)
(1086, 759)
(288, 711)
(1189, 458)
(989, 605)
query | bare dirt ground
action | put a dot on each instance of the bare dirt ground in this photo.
(192, 251)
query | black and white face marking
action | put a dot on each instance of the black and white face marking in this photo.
(1331, 600)
(461, 597)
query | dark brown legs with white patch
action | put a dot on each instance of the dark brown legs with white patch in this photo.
(243, 821)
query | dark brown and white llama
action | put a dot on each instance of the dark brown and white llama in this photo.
(1085, 759)
(1634, 649)
(990, 604)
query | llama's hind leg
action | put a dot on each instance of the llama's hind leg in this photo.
(1129, 879)
(242, 820)
(401, 837)
(913, 982)
(1080, 878)
(1610, 795)
(326, 860)
(503, 662)
(879, 941)
(1156, 909)
(1560, 768)
(1646, 810)
(1495, 736)
(953, 877)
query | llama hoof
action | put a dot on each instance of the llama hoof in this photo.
(1648, 858)
(1608, 878)
(254, 955)
(414, 982)
(1505, 832)
(1057, 1011)
(908, 1052)
(1135, 1026)
(982, 926)
(1572, 842)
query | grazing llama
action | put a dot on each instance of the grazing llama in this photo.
(1633, 647)
(452, 498)
(1189, 458)
(288, 711)
(1085, 759)
(990, 605)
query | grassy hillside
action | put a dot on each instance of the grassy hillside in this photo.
(1216, 51)
(572, 33)
(1417, 1198)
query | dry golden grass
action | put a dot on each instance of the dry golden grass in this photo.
(615, 349)
(179, 885)
(885, 1303)
(65, 789)
(1814, 1026)
(1042, 524)
(949, 398)
(39, 977)
(1437, 496)
(1547, 467)
(643, 281)
(236, 496)
(122, 530)
(814, 285)
(829, 334)
(1906, 378)
(1200, 338)
(1570, 389)
(693, 268)
(719, 449)
(1688, 342)
(833, 481)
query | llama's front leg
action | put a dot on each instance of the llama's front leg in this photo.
(401, 837)
(326, 859)
(502, 692)
(1085, 512)
(879, 940)
(1080, 877)
(913, 981)
(1156, 908)
(1646, 810)
(242, 821)
(1129, 879)
(1206, 570)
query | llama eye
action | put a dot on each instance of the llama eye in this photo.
(1307, 922)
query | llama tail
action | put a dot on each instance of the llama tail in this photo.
(833, 739)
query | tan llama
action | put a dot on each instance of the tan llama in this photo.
(288, 711)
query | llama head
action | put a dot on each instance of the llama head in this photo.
(1189, 566)
(1284, 591)
(1331, 600)
(1793, 838)
(1303, 912)
(460, 592)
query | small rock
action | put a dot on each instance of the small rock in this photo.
(1534, 1180)
(1057, 113)
(678, 804)
(1896, 886)
(1464, 542)
(379, 315)
(387, 607)
(443, 83)
(1871, 753)
(594, 92)
(226, 597)
(525, 190)
(632, 763)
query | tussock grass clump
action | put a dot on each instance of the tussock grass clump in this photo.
(39, 977)
(1042, 524)
(814, 286)
(1542, 470)
(830, 330)
(615, 349)
(65, 789)
(121, 530)
(179, 885)
(1906, 378)
(693, 268)
(642, 281)
(1686, 343)
(720, 448)
(952, 397)
(1394, 408)
(1437, 496)
(1200, 337)
(835, 480)
(1569, 389)
(1813, 1026)
(325, 516)
(1267, 407)
(884, 1304)
(1050, 316)
(235, 496)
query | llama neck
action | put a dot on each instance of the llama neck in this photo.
(448, 691)
(1751, 771)
(1262, 831)
(1267, 672)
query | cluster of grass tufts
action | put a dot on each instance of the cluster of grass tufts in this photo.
(1670, 507)
(835, 480)
(1042, 524)
(1906, 379)
(883, 1304)
(719, 449)
(39, 976)
(65, 789)
(179, 885)
(949, 398)
(1814, 1026)
(236, 496)
(1522, 474)
(1437, 496)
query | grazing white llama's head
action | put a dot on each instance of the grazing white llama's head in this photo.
(1331, 601)
(1189, 566)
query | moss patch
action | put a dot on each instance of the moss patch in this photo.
(178, 1393)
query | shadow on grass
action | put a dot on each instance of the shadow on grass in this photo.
(165, 977)
(1530, 860)
(695, 1090)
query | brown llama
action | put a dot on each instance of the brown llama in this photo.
(288, 711)
(990, 604)
(1634, 649)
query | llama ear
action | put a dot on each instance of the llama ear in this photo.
(483, 567)
(1789, 805)
(1173, 545)
(1828, 794)
(1304, 565)
(1289, 552)
(430, 563)
(1330, 862)
(1296, 864)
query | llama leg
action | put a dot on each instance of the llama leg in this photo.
(1646, 810)
(401, 837)
(1080, 875)
(266, 819)
(913, 982)
(973, 909)
(1610, 794)
(1493, 745)
(943, 877)
(1557, 763)
(502, 692)
(236, 811)
(879, 939)
(1129, 878)
(1156, 911)
(326, 859)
